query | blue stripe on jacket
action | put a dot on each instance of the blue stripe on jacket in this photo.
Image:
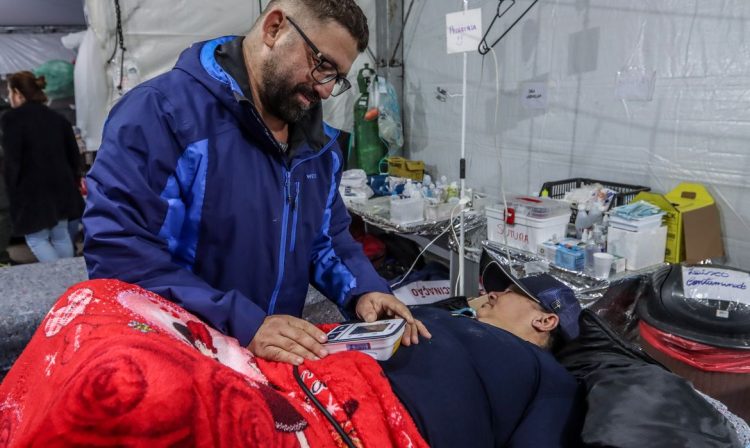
(182, 221)
(329, 271)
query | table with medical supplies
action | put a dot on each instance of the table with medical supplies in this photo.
(376, 213)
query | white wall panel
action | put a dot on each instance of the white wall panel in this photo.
(695, 128)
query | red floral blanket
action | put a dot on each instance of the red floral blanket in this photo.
(114, 365)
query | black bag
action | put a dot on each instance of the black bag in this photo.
(633, 401)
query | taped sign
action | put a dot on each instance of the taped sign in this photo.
(424, 292)
(702, 283)
(463, 30)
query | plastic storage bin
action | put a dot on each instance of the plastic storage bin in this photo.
(640, 249)
(538, 208)
(625, 192)
(530, 221)
(407, 210)
(440, 211)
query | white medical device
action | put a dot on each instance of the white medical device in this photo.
(379, 339)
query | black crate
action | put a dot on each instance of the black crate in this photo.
(625, 193)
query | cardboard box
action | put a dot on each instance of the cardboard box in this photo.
(692, 220)
(410, 169)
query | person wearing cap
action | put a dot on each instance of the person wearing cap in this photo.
(491, 381)
(538, 308)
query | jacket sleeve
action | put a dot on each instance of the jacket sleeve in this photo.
(340, 269)
(13, 149)
(72, 153)
(125, 212)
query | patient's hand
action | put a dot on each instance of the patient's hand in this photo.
(375, 305)
(288, 339)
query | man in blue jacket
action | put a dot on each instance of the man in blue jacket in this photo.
(216, 183)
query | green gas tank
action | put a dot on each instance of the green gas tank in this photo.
(368, 148)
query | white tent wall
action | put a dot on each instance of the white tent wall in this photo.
(155, 33)
(27, 51)
(696, 128)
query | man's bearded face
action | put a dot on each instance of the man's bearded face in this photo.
(284, 98)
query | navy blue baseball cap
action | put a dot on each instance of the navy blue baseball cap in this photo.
(552, 294)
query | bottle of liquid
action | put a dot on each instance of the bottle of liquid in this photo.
(581, 221)
(408, 189)
(595, 215)
(599, 238)
(589, 250)
(453, 190)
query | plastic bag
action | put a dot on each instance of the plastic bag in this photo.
(700, 356)
(59, 77)
(389, 117)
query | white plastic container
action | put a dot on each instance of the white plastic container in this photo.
(524, 231)
(640, 249)
(379, 339)
(407, 210)
(439, 211)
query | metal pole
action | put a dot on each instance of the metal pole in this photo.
(461, 242)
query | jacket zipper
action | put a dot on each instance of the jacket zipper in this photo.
(285, 220)
(295, 209)
(282, 251)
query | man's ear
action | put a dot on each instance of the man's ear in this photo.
(273, 23)
(545, 322)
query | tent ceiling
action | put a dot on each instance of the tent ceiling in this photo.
(41, 12)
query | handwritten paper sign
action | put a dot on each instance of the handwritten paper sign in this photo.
(534, 95)
(463, 30)
(700, 282)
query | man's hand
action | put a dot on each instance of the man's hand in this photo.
(288, 339)
(374, 305)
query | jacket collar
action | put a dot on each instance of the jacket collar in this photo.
(222, 60)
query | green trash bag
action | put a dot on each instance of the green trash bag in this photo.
(59, 77)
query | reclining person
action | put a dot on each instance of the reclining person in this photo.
(490, 381)
(174, 380)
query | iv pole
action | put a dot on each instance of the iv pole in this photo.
(462, 242)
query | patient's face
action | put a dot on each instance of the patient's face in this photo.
(510, 310)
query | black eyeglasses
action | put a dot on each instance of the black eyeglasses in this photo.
(324, 71)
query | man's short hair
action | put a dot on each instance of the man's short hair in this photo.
(345, 12)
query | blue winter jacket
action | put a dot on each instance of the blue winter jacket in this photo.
(190, 198)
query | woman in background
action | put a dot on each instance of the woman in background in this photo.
(42, 169)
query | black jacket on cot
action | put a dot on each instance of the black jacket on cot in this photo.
(42, 168)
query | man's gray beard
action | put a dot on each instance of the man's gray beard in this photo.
(279, 98)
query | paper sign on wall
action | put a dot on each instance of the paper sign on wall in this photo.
(463, 30)
(701, 282)
(534, 95)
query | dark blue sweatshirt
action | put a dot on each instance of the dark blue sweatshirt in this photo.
(475, 385)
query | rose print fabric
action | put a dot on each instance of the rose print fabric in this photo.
(115, 365)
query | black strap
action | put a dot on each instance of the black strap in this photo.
(344, 436)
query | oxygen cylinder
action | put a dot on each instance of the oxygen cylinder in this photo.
(368, 148)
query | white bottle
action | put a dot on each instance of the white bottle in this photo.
(408, 189)
(581, 222)
(595, 215)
